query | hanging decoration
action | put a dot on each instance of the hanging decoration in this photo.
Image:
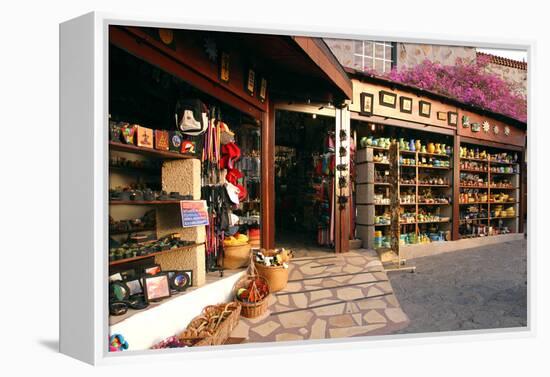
(486, 126)
(506, 130)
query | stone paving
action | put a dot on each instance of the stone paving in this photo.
(326, 297)
(480, 288)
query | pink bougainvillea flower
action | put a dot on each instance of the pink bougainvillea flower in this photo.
(469, 83)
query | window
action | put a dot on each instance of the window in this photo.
(374, 55)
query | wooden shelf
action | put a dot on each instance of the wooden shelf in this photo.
(407, 204)
(128, 260)
(499, 173)
(407, 184)
(377, 148)
(382, 224)
(434, 204)
(114, 146)
(503, 163)
(504, 188)
(475, 187)
(381, 184)
(115, 232)
(465, 204)
(434, 221)
(433, 154)
(474, 171)
(408, 166)
(381, 163)
(406, 151)
(474, 159)
(142, 202)
(135, 170)
(503, 218)
(434, 167)
(382, 205)
(478, 219)
(444, 186)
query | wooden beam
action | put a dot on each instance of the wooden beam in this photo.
(142, 46)
(402, 123)
(456, 188)
(487, 143)
(268, 178)
(324, 59)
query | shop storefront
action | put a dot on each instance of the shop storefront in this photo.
(192, 119)
(460, 170)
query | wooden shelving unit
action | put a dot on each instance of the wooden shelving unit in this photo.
(133, 259)
(486, 165)
(143, 202)
(419, 170)
(114, 146)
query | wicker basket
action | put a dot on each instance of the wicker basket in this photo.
(254, 242)
(221, 327)
(250, 310)
(236, 256)
(276, 276)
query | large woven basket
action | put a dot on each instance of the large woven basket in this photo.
(276, 276)
(199, 334)
(236, 256)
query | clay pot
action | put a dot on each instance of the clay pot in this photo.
(431, 148)
(437, 148)
(418, 146)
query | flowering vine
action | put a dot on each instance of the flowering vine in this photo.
(467, 82)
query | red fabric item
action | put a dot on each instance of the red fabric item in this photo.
(233, 175)
(254, 233)
(242, 193)
(230, 154)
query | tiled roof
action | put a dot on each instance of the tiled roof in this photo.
(504, 61)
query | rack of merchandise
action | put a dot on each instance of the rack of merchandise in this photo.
(489, 192)
(425, 191)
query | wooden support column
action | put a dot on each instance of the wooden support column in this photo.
(456, 188)
(267, 215)
(522, 192)
(342, 229)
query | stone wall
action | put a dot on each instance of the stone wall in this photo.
(516, 77)
(342, 50)
(412, 54)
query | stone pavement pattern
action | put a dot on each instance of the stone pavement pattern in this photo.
(478, 288)
(352, 315)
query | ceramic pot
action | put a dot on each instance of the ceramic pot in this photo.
(363, 142)
(448, 151)
(369, 140)
(437, 148)
(431, 148)
(401, 143)
(417, 145)
(443, 151)
(411, 145)
(423, 150)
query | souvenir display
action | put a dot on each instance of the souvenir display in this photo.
(162, 142)
(132, 250)
(144, 137)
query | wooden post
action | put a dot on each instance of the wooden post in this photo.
(456, 188)
(342, 126)
(268, 178)
(393, 179)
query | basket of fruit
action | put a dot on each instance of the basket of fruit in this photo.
(252, 292)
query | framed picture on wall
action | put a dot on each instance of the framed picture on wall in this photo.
(424, 109)
(224, 67)
(387, 99)
(367, 103)
(250, 82)
(452, 118)
(405, 104)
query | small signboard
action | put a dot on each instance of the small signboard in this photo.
(193, 213)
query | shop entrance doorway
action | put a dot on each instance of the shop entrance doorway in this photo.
(305, 218)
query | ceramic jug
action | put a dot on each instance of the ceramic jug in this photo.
(437, 148)
(448, 151)
(411, 145)
(431, 148)
(401, 143)
(443, 150)
(417, 145)
(369, 140)
(423, 150)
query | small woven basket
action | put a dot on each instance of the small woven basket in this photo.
(236, 256)
(256, 309)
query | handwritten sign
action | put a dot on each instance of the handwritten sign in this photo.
(193, 213)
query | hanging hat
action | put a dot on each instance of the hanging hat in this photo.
(191, 116)
(233, 192)
(230, 154)
(233, 175)
(242, 192)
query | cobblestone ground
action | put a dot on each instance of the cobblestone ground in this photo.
(478, 288)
